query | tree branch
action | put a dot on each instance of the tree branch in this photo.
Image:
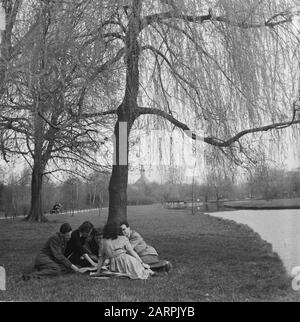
(107, 64)
(158, 17)
(211, 140)
(175, 73)
(97, 114)
(175, 14)
(48, 122)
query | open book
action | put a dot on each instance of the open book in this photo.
(88, 269)
(107, 274)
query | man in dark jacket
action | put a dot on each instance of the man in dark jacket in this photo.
(51, 260)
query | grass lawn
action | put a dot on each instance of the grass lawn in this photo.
(213, 260)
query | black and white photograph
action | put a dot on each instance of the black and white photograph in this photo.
(149, 153)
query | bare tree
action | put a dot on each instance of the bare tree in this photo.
(43, 105)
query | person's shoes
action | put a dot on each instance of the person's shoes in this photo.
(168, 267)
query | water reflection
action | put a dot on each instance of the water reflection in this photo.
(279, 227)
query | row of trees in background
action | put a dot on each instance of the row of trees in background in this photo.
(75, 194)
(262, 183)
(268, 183)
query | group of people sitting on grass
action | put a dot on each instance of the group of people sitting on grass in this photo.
(116, 249)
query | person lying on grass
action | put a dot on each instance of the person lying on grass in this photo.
(122, 258)
(76, 251)
(51, 260)
(146, 252)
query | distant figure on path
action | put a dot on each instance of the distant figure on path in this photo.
(51, 260)
(76, 251)
(122, 258)
(56, 208)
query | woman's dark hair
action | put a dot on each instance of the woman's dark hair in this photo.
(96, 232)
(124, 222)
(86, 227)
(111, 231)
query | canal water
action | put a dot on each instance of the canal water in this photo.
(279, 227)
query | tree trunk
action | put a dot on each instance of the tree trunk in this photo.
(119, 177)
(39, 163)
(127, 113)
(118, 194)
(36, 209)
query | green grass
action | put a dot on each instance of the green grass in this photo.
(213, 260)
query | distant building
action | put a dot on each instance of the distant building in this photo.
(143, 180)
(140, 193)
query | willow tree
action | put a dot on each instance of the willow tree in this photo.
(227, 67)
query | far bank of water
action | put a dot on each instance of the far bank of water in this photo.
(281, 228)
